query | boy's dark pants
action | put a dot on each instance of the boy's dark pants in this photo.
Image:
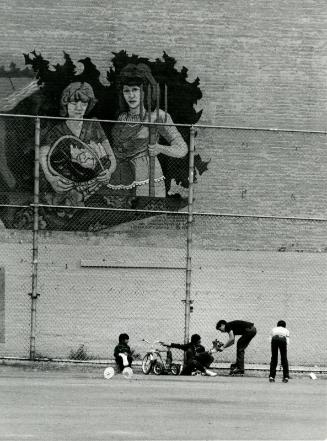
(278, 343)
(200, 363)
(120, 362)
(242, 344)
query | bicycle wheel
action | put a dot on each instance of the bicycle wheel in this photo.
(158, 367)
(175, 369)
(147, 364)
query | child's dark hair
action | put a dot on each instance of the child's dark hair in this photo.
(123, 337)
(281, 323)
(195, 338)
(221, 322)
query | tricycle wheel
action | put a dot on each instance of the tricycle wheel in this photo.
(147, 364)
(158, 368)
(175, 369)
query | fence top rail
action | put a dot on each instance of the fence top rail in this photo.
(177, 213)
(263, 216)
(202, 126)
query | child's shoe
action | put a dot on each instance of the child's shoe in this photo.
(210, 373)
(271, 380)
(237, 371)
(285, 380)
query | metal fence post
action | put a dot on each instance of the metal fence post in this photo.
(34, 293)
(188, 300)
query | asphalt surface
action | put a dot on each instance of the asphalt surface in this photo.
(65, 406)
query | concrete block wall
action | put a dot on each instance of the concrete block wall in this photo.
(263, 287)
(16, 258)
(92, 303)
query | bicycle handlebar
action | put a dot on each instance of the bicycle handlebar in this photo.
(152, 344)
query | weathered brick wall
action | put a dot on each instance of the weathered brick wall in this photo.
(262, 173)
(260, 64)
(263, 65)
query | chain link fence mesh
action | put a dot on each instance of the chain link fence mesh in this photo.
(262, 172)
(96, 287)
(15, 303)
(113, 260)
(16, 166)
(260, 283)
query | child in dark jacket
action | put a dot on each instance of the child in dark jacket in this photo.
(196, 357)
(123, 353)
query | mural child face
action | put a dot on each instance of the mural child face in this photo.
(132, 95)
(76, 109)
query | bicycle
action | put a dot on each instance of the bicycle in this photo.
(154, 362)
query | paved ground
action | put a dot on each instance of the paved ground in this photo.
(65, 406)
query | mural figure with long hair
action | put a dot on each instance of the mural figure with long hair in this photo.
(130, 141)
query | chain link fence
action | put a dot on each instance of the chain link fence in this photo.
(260, 283)
(15, 289)
(105, 257)
(263, 259)
(96, 287)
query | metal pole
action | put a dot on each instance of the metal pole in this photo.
(152, 140)
(166, 102)
(34, 293)
(188, 300)
(157, 101)
(141, 102)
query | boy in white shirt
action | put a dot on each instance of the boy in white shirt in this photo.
(279, 341)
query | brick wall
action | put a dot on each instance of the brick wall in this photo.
(263, 65)
(262, 173)
(260, 64)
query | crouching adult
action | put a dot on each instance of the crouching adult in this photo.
(196, 357)
(246, 331)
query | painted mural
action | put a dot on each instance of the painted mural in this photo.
(126, 163)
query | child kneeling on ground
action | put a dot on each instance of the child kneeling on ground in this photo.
(196, 357)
